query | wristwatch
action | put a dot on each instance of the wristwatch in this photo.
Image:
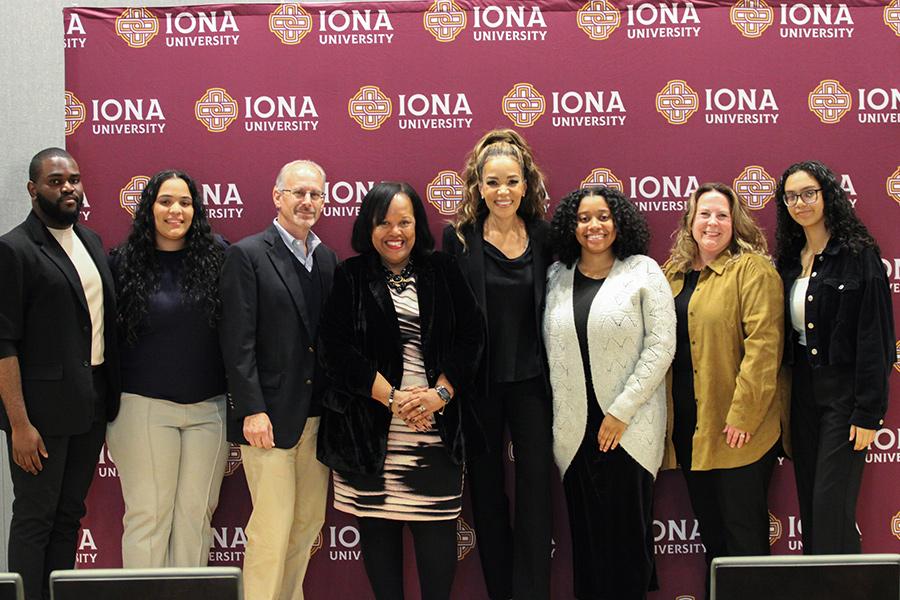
(444, 393)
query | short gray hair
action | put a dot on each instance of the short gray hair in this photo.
(279, 181)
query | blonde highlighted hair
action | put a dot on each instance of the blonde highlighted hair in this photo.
(746, 236)
(500, 142)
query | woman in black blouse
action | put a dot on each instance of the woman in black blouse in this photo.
(840, 340)
(168, 440)
(500, 238)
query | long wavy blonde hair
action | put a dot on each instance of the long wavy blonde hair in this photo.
(500, 142)
(746, 236)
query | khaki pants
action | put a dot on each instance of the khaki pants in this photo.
(288, 489)
(171, 459)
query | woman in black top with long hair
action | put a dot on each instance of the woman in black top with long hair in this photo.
(840, 339)
(500, 238)
(169, 437)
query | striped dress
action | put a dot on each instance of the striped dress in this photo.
(419, 481)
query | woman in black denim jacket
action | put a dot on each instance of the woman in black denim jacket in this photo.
(840, 341)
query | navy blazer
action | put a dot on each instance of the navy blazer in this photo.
(471, 261)
(45, 322)
(360, 337)
(268, 341)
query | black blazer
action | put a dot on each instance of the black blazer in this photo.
(471, 261)
(44, 321)
(360, 337)
(267, 341)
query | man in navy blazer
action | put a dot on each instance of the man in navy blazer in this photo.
(273, 286)
(59, 372)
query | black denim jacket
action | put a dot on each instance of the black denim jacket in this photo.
(849, 323)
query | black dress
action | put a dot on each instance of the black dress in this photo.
(609, 497)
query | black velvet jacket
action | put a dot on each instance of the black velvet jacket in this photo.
(850, 328)
(359, 337)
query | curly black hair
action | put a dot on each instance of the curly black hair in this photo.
(137, 267)
(841, 221)
(632, 232)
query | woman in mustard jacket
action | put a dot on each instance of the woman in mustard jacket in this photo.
(725, 416)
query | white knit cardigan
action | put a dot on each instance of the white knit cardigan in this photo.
(631, 342)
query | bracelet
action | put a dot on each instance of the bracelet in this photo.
(390, 403)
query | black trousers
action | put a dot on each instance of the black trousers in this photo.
(515, 553)
(382, 551)
(731, 506)
(827, 468)
(48, 507)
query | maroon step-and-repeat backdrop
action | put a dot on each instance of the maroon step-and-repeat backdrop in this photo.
(651, 98)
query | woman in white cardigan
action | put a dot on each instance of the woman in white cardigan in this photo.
(609, 330)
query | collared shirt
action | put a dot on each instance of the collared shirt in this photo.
(735, 327)
(849, 324)
(303, 254)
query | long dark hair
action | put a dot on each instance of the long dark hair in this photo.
(137, 266)
(500, 142)
(841, 221)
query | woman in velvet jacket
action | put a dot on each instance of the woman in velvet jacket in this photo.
(401, 339)
(501, 240)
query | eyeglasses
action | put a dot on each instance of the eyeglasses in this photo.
(300, 194)
(808, 197)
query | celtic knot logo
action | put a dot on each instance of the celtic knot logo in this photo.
(75, 113)
(523, 105)
(445, 192)
(317, 545)
(830, 101)
(130, 195)
(755, 187)
(290, 23)
(751, 17)
(598, 19)
(775, 529)
(137, 26)
(677, 102)
(895, 525)
(465, 539)
(892, 16)
(234, 459)
(605, 177)
(369, 107)
(444, 20)
(216, 110)
(893, 185)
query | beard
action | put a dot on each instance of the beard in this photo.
(56, 212)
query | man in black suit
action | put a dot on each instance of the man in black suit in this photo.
(59, 369)
(273, 286)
